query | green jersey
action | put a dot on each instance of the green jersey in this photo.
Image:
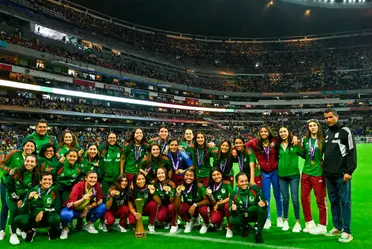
(133, 155)
(152, 167)
(163, 194)
(17, 189)
(87, 165)
(313, 157)
(67, 175)
(40, 141)
(201, 160)
(191, 195)
(224, 163)
(144, 194)
(44, 164)
(246, 200)
(47, 201)
(110, 162)
(63, 149)
(288, 161)
(244, 159)
(13, 160)
(221, 191)
(188, 147)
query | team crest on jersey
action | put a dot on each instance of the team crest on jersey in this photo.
(146, 195)
(118, 155)
(336, 135)
(49, 201)
(251, 198)
(223, 191)
(74, 175)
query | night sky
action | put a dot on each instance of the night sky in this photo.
(239, 18)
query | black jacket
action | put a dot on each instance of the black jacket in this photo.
(340, 152)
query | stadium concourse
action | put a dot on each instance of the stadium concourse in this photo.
(96, 112)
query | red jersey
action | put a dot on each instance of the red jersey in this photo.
(79, 190)
(267, 157)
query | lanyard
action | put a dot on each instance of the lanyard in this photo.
(246, 200)
(137, 152)
(163, 146)
(177, 164)
(241, 161)
(39, 192)
(200, 158)
(267, 152)
(216, 188)
(223, 165)
(312, 149)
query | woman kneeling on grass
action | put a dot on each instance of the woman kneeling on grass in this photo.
(117, 203)
(85, 201)
(192, 200)
(247, 204)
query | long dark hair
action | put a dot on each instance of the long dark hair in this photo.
(30, 141)
(149, 158)
(290, 137)
(194, 185)
(193, 133)
(97, 157)
(210, 181)
(240, 138)
(319, 134)
(206, 158)
(135, 187)
(35, 173)
(165, 172)
(44, 149)
(117, 183)
(132, 139)
(270, 137)
(228, 155)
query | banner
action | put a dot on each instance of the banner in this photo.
(115, 88)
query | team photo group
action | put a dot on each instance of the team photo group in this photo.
(183, 183)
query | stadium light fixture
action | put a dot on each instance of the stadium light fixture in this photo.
(307, 12)
(36, 88)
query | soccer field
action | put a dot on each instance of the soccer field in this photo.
(274, 238)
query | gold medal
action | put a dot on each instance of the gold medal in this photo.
(246, 214)
(117, 192)
(312, 163)
(198, 172)
(36, 196)
(136, 165)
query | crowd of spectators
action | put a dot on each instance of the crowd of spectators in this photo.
(342, 63)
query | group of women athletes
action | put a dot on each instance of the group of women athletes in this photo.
(189, 179)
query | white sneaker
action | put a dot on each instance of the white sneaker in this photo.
(309, 225)
(229, 233)
(203, 229)
(19, 232)
(279, 222)
(167, 226)
(285, 226)
(90, 228)
(345, 238)
(119, 228)
(105, 228)
(179, 221)
(24, 235)
(334, 232)
(173, 229)
(151, 229)
(297, 228)
(267, 224)
(2, 235)
(188, 226)
(319, 229)
(101, 226)
(64, 233)
(14, 239)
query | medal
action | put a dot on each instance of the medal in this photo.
(267, 152)
(241, 162)
(312, 151)
(200, 159)
(137, 153)
(177, 164)
(246, 214)
(163, 146)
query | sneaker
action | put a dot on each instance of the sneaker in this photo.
(285, 226)
(173, 229)
(258, 238)
(101, 226)
(2, 235)
(320, 229)
(90, 228)
(297, 228)
(64, 233)
(204, 228)
(79, 224)
(309, 225)
(179, 221)
(14, 239)
(119, 228)
(345, 238)
(334, 232)
(218, 228)
(229, 233)
(188, 226)
(267, 224)
(30, 236)
(19, 232)
(52, 235)
(167, 226)
(105, 228)
(246, 230)
(151, 229)
(279, 222)
(24, 235)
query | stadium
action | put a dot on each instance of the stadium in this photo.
(220, 68)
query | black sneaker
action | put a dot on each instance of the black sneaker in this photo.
(246, 231)
(259, 238)
(79, 224)
(52, 235)
(30, 236)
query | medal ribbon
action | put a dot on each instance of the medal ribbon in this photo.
(137, 152)
(223, 165)
(39, 192)
(246, 200)
(267, 152)
(241, 161)
(200, 158)
(163, 146)
(312, 149)
(177, 164)
(216, 188)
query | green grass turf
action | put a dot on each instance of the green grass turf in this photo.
(274, 238)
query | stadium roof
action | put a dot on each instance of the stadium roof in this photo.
(236, 18)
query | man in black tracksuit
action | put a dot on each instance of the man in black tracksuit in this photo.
(340, 161)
